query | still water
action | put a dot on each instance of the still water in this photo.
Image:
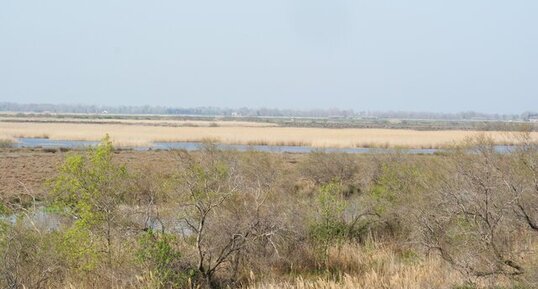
(192, 146)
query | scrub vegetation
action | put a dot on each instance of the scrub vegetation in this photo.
(466, 218)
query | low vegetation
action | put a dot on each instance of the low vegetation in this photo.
(6, 143)
(467, 218)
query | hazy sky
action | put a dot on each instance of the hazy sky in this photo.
(414, 55)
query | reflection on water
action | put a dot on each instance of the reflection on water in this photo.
(50, 143)
(37, 218)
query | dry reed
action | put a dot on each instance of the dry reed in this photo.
(135, 135)
(379, 267)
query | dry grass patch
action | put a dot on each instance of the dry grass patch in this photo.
(379, 267)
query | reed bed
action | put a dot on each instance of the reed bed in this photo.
(141, 135)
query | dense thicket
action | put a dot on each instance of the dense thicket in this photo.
(462, 219)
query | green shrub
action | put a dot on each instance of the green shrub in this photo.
(157, 253)
(329, 226)
(89, 188)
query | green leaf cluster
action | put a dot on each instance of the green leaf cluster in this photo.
(329, 226)
(157, 253)
(88, 188)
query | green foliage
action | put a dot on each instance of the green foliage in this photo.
(388, 184)
(329, 226)
(3, 209)
(409, 256)
(211, 176)
(85, 182)
(78, 248)
(157, 254)
(4, 227)
(89, 188)
(398, 193)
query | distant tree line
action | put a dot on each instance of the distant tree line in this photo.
(255, 112)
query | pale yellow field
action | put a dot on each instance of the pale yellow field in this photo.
(135, 134)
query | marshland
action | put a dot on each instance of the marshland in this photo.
(106, 217)
(144, 132)
(298, 144)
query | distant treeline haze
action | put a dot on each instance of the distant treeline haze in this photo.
(255, 112)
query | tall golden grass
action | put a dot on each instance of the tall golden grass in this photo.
(135, 134)
(383, 267)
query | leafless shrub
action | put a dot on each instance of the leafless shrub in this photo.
(225, 215)
(320, 167)
(476, 221)
(28, 258)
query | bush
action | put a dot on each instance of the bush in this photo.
(89, 189)
(157, 254)
(323, 168)
(329, 226)
(29, 257)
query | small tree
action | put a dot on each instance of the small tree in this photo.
(224, 218)
(89, 188)
(208, 188)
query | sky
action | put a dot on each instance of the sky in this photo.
(414, 55)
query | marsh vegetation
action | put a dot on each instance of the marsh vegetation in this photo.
(139, 134)
(467, 218)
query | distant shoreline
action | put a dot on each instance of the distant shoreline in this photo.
(299, 122)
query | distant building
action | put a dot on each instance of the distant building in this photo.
(533, 118)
